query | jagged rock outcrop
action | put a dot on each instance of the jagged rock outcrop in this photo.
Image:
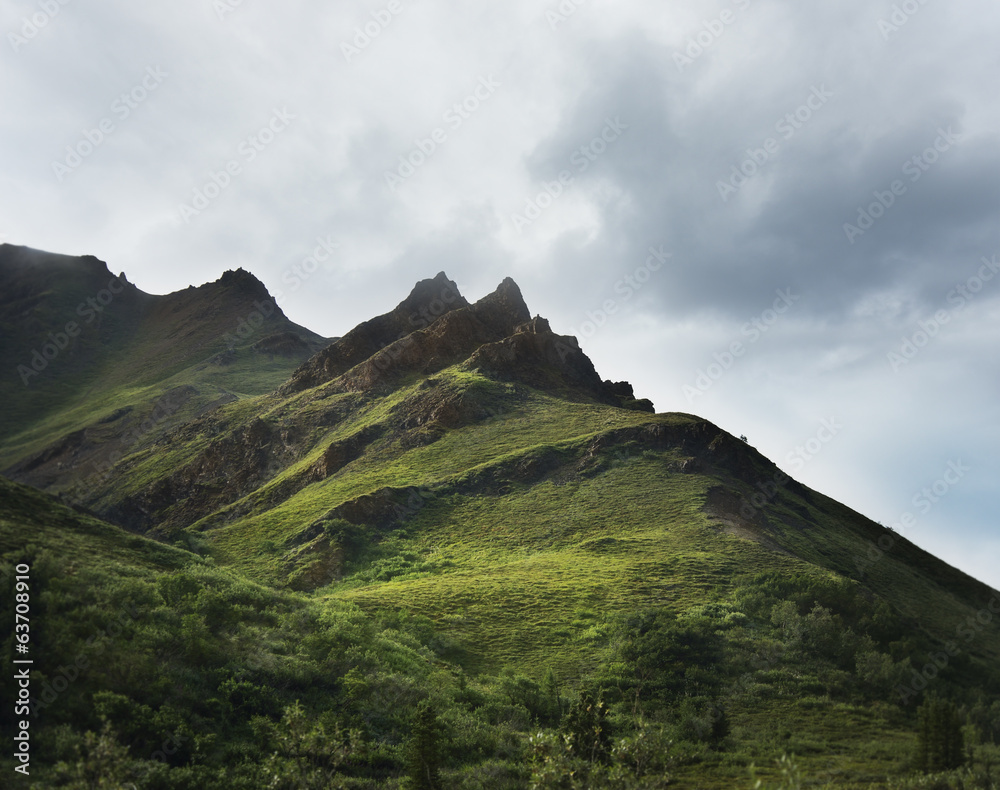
(428, 300)
(230, 467)
(496, 335)
(337, 455)
(316, 564)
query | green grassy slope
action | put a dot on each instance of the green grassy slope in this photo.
(513, 531)
(153, 669)
(175, 651)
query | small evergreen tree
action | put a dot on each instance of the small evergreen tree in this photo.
(551, 696)
(940, 746)
(423, 753)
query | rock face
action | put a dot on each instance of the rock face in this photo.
(435, 327)
(428, 300)
(315, 564)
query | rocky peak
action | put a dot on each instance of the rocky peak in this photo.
(503, 310)
(242, 280)
(435, 327)
(432, 298)
(536, 326)
(428, 301)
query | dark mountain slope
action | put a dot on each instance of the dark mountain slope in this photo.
(91, 359)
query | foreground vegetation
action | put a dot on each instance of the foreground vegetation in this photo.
(157, 670)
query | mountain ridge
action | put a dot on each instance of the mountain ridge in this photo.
(80, 344)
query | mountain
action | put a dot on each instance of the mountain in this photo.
(89, 358)
(460, 473)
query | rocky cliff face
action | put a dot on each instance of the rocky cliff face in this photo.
(428, 300)
(435, 328)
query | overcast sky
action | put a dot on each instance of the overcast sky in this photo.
(744, 208)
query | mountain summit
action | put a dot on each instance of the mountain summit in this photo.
(189, 348)
(435, 327)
